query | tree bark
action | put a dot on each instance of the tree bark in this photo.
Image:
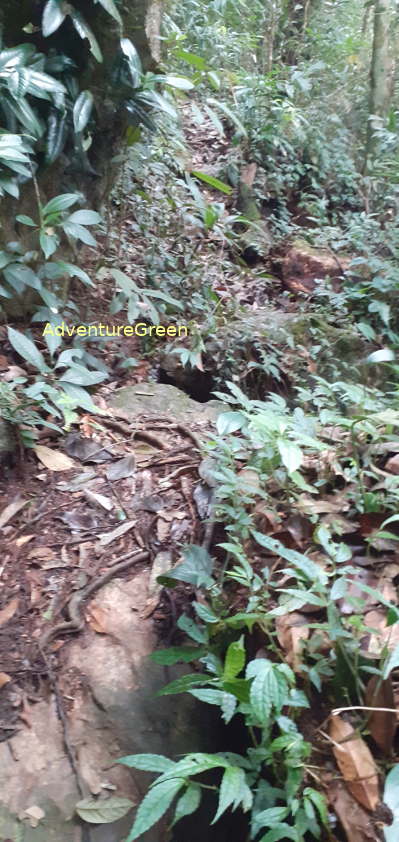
(380, 75)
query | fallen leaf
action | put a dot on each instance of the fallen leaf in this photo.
(99, 500)
(382, 725)
(11, 510)
(354, 820)
(54, 460)
(98, 619)
(108, 537)
(292, 630)
(35, 815)
(381, 635)
(86, 450)
(4, 679)
(393, 464)
(355, 763)
(41, 554)
(8, 612)
(23, 539)
(163, 529)
(122, 468)
(103, 812)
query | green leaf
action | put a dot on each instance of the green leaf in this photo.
(268, 818)
(233, 790)
(79, 232)
(48, 243)
(25, 220)
(179, 82)
(110, 7)
(391, 799)
(235, 660)
(209, 696)
(230, 422)
(309, 568)
(53, 16)
(84, 217)
(155, 804)
(194, 631)
(82, 110)
(188, 803)
(196, 568)
(177, 654)
(147, 762)
(60, 203)
(191, 58)
(27, 349)
(281, 831)
(81, 376)
(183, 684)
(291, 455)
(103, 812)
(269, 688)
(83, 29)
(213, 182)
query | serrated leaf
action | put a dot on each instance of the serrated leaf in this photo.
(103, 812)
(177, 654)
(147, 762)
(27, 349)
(269, 689)
(183, 684)
(188, 803)
(235, 660)
(154, 805)
(233, 790)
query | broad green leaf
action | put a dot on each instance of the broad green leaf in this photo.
(84, 217)
(60, 203)
(103, 812)
(228, 707)
(233, 790)
(230, 422)
(194, 631)
(154, 805)
(54, 15)
(235, 660)
(25, 220)
(177, 654)
(81, 376)
(268, 818)
(209, 696)
(279, 832)
(147, 762)
(291, 455)
(191, 58)
(188, 803)
(110, 7)
(213, 182)
(80, 397)
(82, 110)
(27, 350)
(179, 82)
(79, 232)
(83, 29)
(195, 764)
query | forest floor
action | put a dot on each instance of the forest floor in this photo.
(115, 488)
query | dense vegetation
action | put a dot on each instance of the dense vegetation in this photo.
(299, 105)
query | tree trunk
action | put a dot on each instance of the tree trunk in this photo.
(380, 75)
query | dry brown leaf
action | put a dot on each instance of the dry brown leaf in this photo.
(393, 464)
(4, 679)
(8, 612)
(11, 510)
(98, 619)
(355, 763)
(292, 630)
(35, 815)
(23, 539)
(382, 724)
(163, 528)
(354, 820)
(384, 635)
(54, 460)
(41, 554)
(99, 500)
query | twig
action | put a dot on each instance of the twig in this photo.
(337, 711)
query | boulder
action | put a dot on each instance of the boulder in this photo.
(160, 399)
(108, 686)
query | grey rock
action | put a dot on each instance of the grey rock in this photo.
(159, 399)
